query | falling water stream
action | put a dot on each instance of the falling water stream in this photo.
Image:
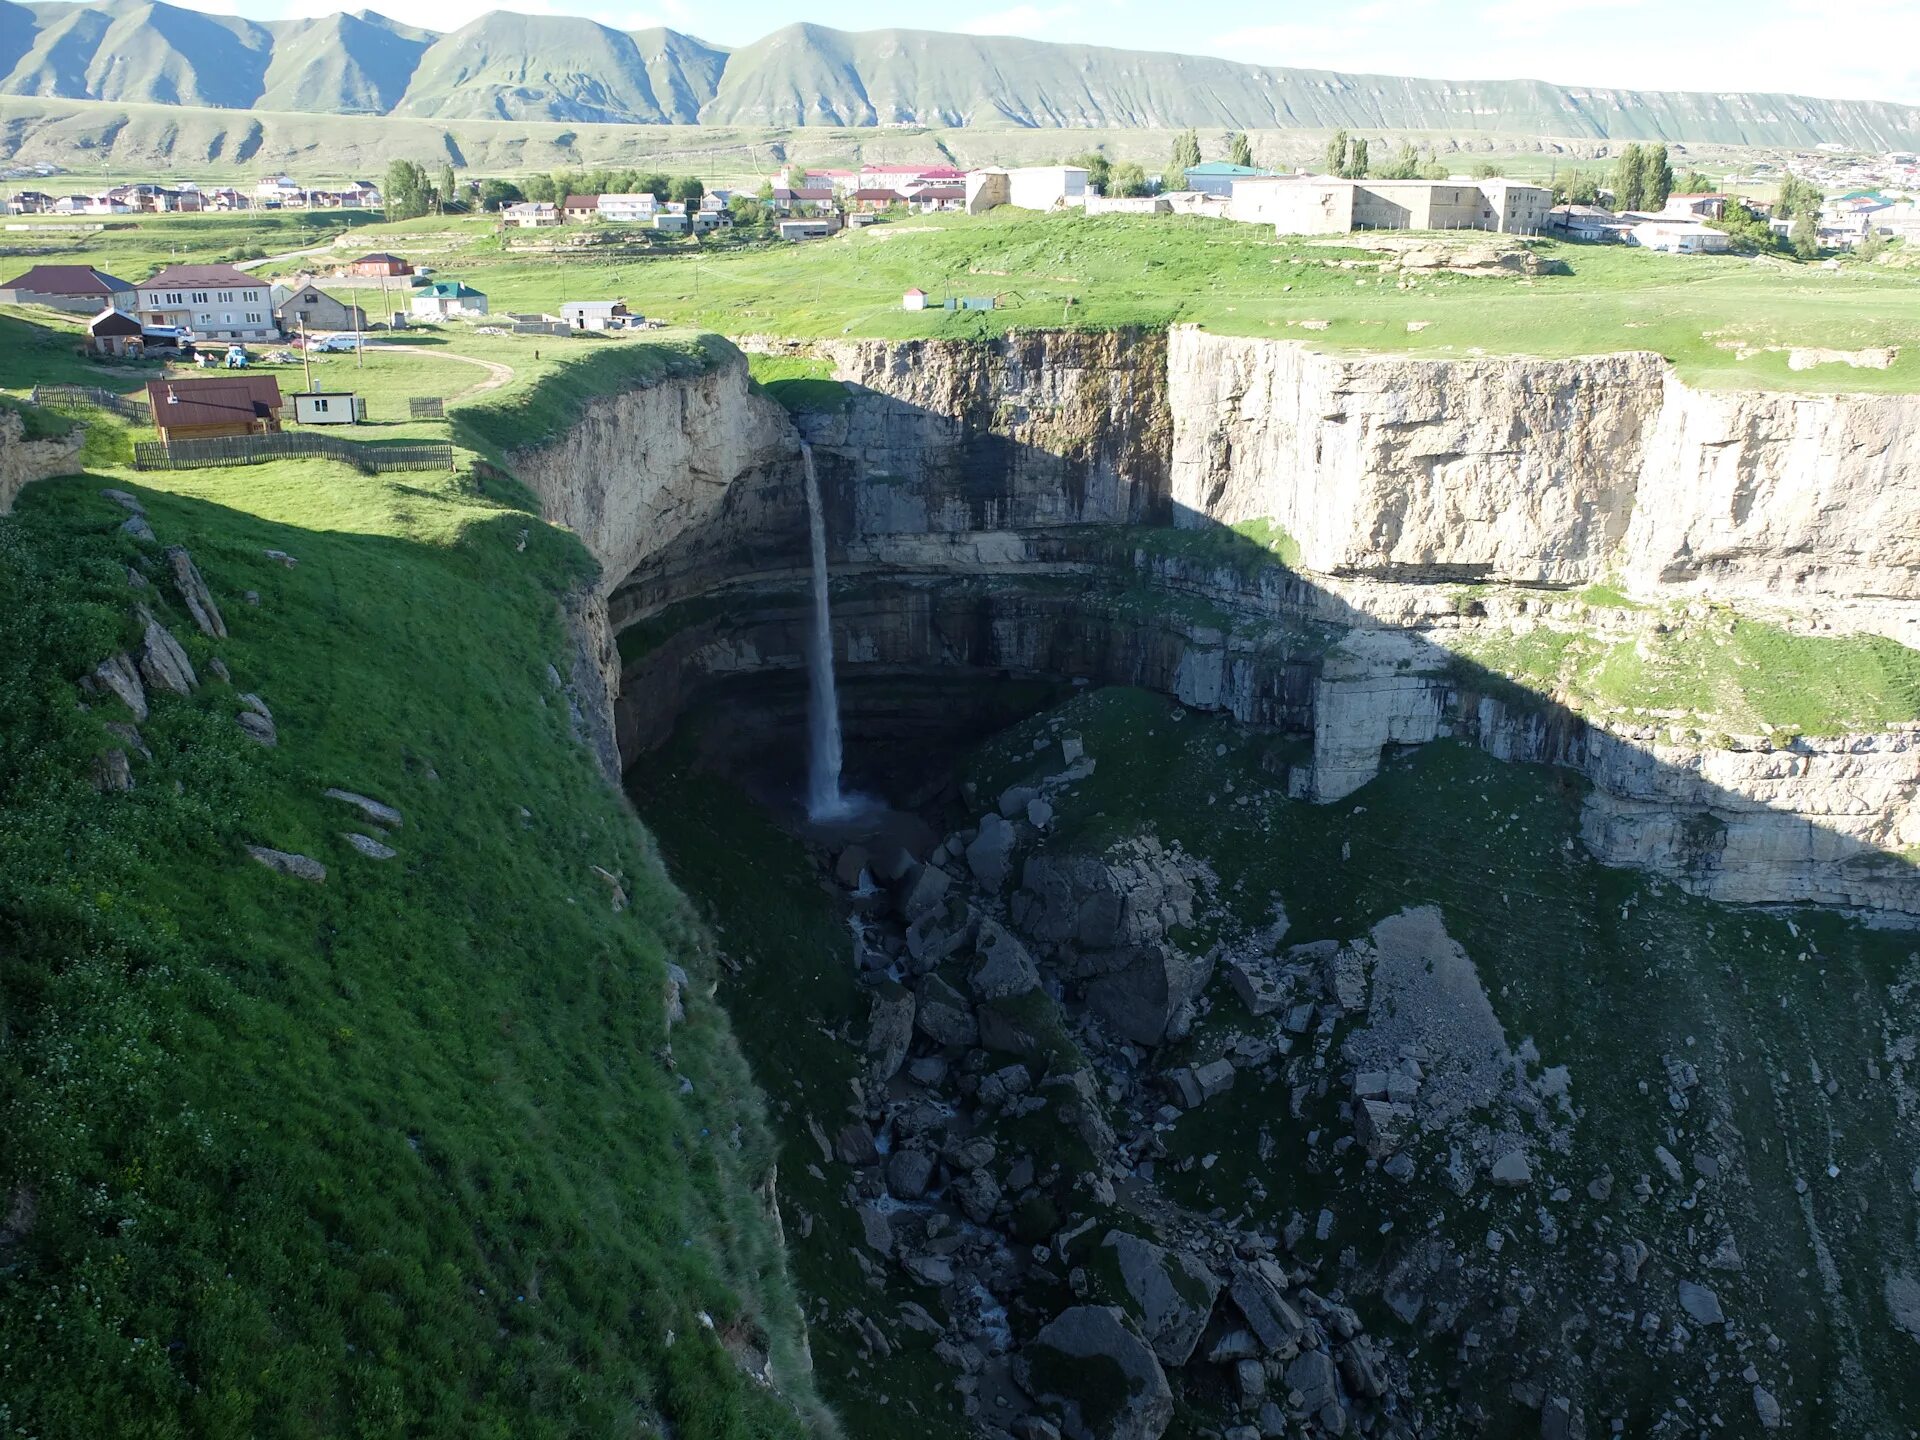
(824, 799)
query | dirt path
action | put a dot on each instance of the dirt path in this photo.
(498, 374)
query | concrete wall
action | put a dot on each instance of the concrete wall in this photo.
(1317, 206)
(1420, 205)
(1128, 205)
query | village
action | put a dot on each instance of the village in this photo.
(1876, 196)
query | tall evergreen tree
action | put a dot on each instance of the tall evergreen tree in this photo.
(1357, 162)
(406, 190)
(1405, 165)
(1186, 155)
(1337, 153)
(1804, 237)
(1629, 180)
(1240, 150)
(448, 192)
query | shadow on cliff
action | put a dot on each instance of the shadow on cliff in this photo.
(997, 563)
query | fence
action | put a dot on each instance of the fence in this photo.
(427, 407)
(256, 449)
(66, 397)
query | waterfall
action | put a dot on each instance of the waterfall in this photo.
(824, 800)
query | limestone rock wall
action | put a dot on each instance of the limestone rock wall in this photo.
(23, 461)
(1547, 471)
(652, 473)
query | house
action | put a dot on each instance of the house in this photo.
(628, 209)
(671, 218)
(378, 264)
(80, 289)
(914, 299)
(226, 198)
(1216, 177)
(1696, 207)
(114, 332)
(447, 299)
(278, 192)
(1680, 238)
(808, 227)
(210, 409)
(361, 195)
(303, 309)
(1589, 222)
(530, 214)
(928, 198)
(875, 199)
(580, 209)
(712, 213)
(802, 201)
(1032, 187)
(904, 178)
(328, 407)
(209, 301)
(596, 314)
(29, 202)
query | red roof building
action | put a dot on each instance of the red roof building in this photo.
(79, 288)
(186, 409)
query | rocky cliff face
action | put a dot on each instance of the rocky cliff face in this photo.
(23, 461)
(1557, 472)
(981, 500)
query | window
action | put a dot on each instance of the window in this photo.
(199, 297)
(320, 404)
(253, 317)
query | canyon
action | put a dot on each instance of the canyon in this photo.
(1061, 506)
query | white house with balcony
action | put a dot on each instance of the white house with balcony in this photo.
(209, 302)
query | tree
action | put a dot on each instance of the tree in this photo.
(657, 185)
(1405, 165)
(1337, 153)
(1357, 162)
(1656, 176)
(1804, 237)
(449, 195)
(498, 194)
(1577, 187)
(1797, 195)
(1127, 179)
(539, 188)
(1186, 155)
(1630, 179)
(748, 211)
(1871, 246)
(1751, 233)
(406, 190)
(688, 191)
(1099, 170)
(1485, 170)
(1240, 150)
(1695, 184)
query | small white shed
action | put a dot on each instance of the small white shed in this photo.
(914, 299)
(328, 407)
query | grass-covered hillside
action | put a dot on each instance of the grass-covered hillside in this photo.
(412, 1150)
(1722, 320)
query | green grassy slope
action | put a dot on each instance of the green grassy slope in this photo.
(1714, 317)
(410, 1152)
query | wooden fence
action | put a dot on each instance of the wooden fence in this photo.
(427, 407)
(68, 397)
(257, 449)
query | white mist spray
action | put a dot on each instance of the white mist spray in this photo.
(824, 800)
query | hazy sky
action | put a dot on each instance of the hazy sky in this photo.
(1859, 49)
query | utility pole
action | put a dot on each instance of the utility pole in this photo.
(359, 345)
(306, 357)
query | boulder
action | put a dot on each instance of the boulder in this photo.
(1701, 1304)
(854, 1145)
(1009, 1082)
(1004, 969)
(376, 812)
(990, 856)
(924, 890)
(1272, 1319)
(112, 771)
(1039, 814)
(368, 846)
(135, 527)
(889, 1032)
(129, 503)
(851, 865)
(1214, 1078)
(301, 867)
(1171, 1294)
(258, 727)
(1511, 1170)
(1259, 982)
(1095, 1377)
(1346, 977)
(978, 1195)
(1311, 1373)
(1150, 1001)
(1766, 1409)
(163, 664)
(1381, 1126)
(909, 1172)
(1015, 799)
(938, 934)
(119, 677)
(194, 592)
(943, 1014)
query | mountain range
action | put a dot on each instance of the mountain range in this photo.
(512, 67)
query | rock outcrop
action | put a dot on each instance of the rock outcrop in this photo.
(23, 461)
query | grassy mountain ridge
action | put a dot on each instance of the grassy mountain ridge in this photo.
(559, 68)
